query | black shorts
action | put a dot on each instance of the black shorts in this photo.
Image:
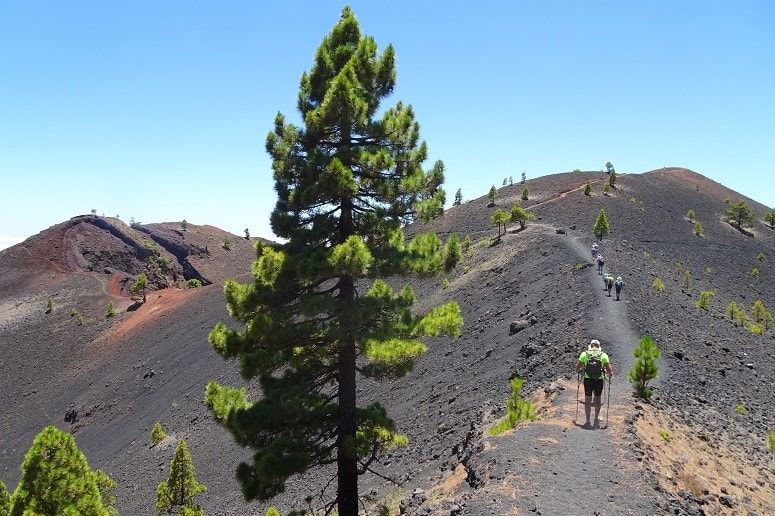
(593, 385)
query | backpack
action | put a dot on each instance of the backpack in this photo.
(594, 365)
(619, 283)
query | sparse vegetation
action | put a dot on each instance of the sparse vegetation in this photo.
(740, 215)
(491, 196)
(165, 264)
(607, 189)
(686, 286)
(111, 311)
(150, 245)
(601, 227)
(690, 215)
(511, 180)
(5, 500)
(709, 270)
(771, 440)
(760, 314)
(698, 229)
(517, 409)
(458, 198)
(227, 243)
(499, 218)
(107, 488)
(176, 494)
(140, 284)
(184, 225)
(705, 297)
(578, 266)
(645, 368)
(452, 252)
(79, 320)
(612, 178)
(525, 193)
(665, 435)
(754, 328)
(445, 283)
(465, 245)
(755, 272)
(157, 433)
(588, 188)
(741, 410)
(194, 283)
(760, 256)
(521, 215)
(49, 305)
(736, 314)
(577, 171)
(769, 218)
(658, 285)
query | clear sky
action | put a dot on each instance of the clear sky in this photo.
(159, 110)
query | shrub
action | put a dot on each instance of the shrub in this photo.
(445, 283)
(760, 314)
(588, 189)
(760, 256)
(466, 268)
(578, 266)
(687, 284)
(607, 189)
(525, 193)
(577, 171)
(645, 368)
(709, 270)
(698, 229)
(149, 244)
(601, 228)
(612, 179)
(754, 328)
(111, 311)
(157, 433)
(521, 215)
(755, 272)
(769, 218)
(451, 252)
(609, 167)
(658, 285)
(665, 435)
(140, 285)
(517, 409)
(499, 218)
(49, 305)
(740, 215)
(165, 264)
(705, 297)
(741, 410)
(458, 197)
(465, 245)
(107, 488)
(771, 440)
(736, 313)
(184, 225)
(491, 195)
(193, 283)
(5, 500)
(77, 315)
(272, 511)
(227, 243)
(690, 215)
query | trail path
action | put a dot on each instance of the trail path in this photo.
(562, 468)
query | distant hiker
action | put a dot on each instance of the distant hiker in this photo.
(594, 249)
(596, 366)
(609, 283)
(600, 263)
(618, 284)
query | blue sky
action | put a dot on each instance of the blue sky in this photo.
(159, 110)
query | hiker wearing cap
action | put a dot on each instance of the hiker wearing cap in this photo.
(600, 263)
(595, 365)
(609, 283)
(618, 284)
(594, 250)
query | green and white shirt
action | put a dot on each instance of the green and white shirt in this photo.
(584, 358)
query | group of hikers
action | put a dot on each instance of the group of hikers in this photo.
(608, 278)
(593, 364)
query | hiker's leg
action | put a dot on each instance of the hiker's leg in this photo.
(597, 405)
(587, 406)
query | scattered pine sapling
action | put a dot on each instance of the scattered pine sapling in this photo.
(760, 256)
(458, 198)
(645, 368)
(609, 168)
(451, 252)
(465, 245)
(521, 216)
(194, 283)
(736, 314)
(690, 215)
(517, 409)
(525, 193)
(505, 181)
(769, 218)
(755, 272)
(601, 227)
(140, 284)
(227, 244)
(5, 500)
(111, 311)
(107, 488)
(524, 178)
(760, 314)
(658, 285)
(771, 440)
(687, 283)
(741, 410)
(607, 189)
(698, 229)
(272, 511)
(612, 179)
(499, 218)
(511, 180)
(177, 492)
(157, 433)
(665, 435)
(491, 196)
(184, 225)
(49, 305)
(588, 188)
(740, 215)
(705, 297)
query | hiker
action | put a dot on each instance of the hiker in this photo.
(596, 366)
(594, 250)
(609, 283)
(600, 263)
(618, 284)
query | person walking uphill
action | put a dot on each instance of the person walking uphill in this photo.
(609, 283)
(596, 366)
(600, 263)
(618, 284)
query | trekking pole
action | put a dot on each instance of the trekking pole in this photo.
(578, 383)
(608, 405)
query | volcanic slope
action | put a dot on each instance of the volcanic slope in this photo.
(128, 375)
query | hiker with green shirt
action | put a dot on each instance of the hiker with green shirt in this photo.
(596, 366)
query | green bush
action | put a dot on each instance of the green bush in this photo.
(760, 314)
(705, 297)
(77, 315)
(607, 189)
(690, 215)
(193, 283)
(491, 195)
(588, 189)
(111, 311)
(754, 328)
(665, 435)
(771, 440)
(601, 228)
(452, 252)
(184, 225)
(698, 229)
(165, 264)
(658, 284)
(755, 272)
(157, 433)
(445, 283)
(645, 368)
(741, 410)
(687, 284)
(227, 244)
(49, 305)
(517, 409)
(736, 314)
(525, 193)
(465, 245)
(760, 256)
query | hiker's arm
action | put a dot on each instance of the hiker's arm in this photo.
(579, 367)
(609, 370)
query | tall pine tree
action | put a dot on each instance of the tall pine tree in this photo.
(346, 183)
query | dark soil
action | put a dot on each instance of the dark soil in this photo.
(123, 374)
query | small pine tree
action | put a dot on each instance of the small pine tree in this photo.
(451, 252)
(466, 244)
(157, 433)
(760, 256)
(607, 189)
(612, 179)
(687, 283)
(769, 218)
(49, 305)
(698, 229)
(525, 193)
(736, 314)
(524, 178)
(184, 225)
(760, 314)
(227, 243)
(517, 409)
(194, 283)
(645, 368)
(107, 488)
(705, 297)
(740, 215)
(272, 511)
(755, 272)
(247, 234)
(491, 195)
(601, 227)
(499, 218)
(178, 491)
(690, 215)
(56, 479)
(609, 168)
(140, 284)
(458, 198)
(588, 188)
(111, 311)
(658, 285)
(5, 500)
(505, 181)
(521, 215)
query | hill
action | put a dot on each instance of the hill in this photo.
(122, 374)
